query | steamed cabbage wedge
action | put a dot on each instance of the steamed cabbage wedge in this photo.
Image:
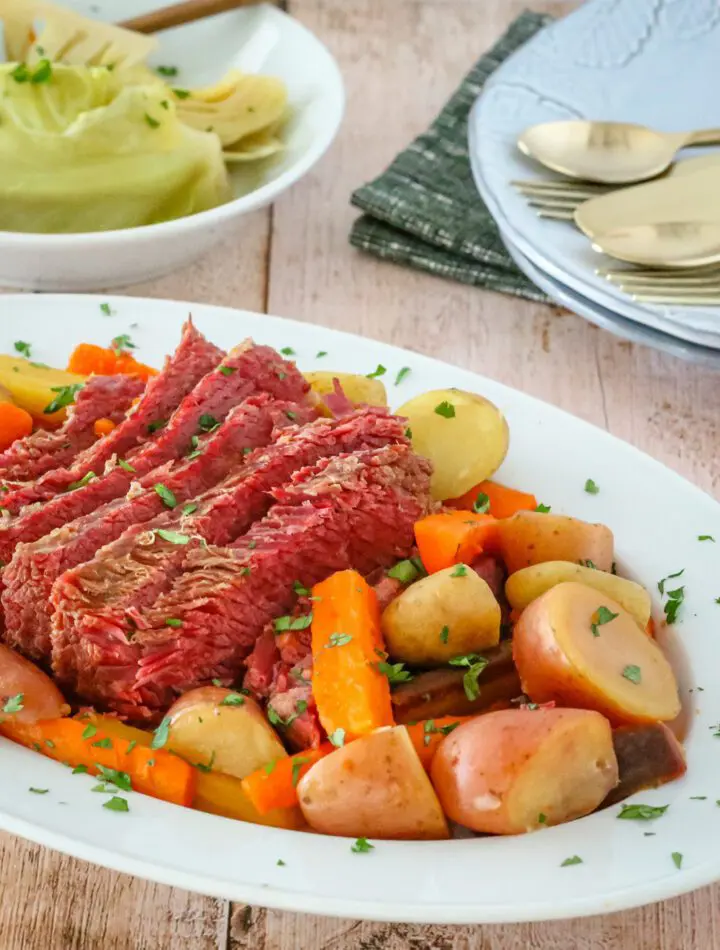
(91, 149)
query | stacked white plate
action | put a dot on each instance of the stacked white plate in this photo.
(652, 62)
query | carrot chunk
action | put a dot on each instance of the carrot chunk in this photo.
(504, 502)
(103, 427)
(454, 537)
(15, 423)
(275, 785)
(427, 735)
(350, 692)
(87, 358)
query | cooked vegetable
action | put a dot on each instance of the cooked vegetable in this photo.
(648, 755)
(15, 423)
(530, 537)
(442, 616)
(275, 785)
(498, 500)
(526, 585)
(34, 387)
(211, 724)
(515, 770)
(350, 692)
(464, 435)
(453, 537)
(103, 427)
(427, 735)
(359, 389)
(87, 358)
(26, 693)
(85, 743)
(375, 787)
(580, 648)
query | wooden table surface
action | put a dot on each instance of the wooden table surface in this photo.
(401, 60)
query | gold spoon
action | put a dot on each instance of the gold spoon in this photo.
(671, 244)
(615, 152)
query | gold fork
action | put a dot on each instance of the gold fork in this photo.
(557, 199)
(693, 287)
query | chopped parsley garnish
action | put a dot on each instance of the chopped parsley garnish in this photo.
(89, 731)
(119, 779)
(481, 505)
(575, 859)
(277, 720)
(677, 859)
(173, 622)
(320, 353)
(168, 498)
(632, 673)
(131, 745)
(287, 351)
(698, 798)
(672, 604)
(65, 397)
(395, 672)
(51, 745)
(590, 487)
(161, 734)
(207, 422)
(14, 704)
(296, 766)
(408, 433)
(642, 812)
(293, 623)
(126, 465)
(42, 72)
(269, 767)
(206, 767)
(444, 634)
(405, 371)
(542, 509)
(542, 819)
(81, 769)
(173, 537)
(105, 309)
(701, 537)
(337, 738)
(292, 416)
(21, 73)
(189, 508)
(460, 571)
(116, 804)
(38, 791)
(158, 424)
(475, 665)
(362, 846)
(228, 370)
(661, 584)
(601, 616)
(300, 590)
(404, 571)
(122, 343)
(168, 71)
(338, 640)
(103, 743)
(181, 93)
(233, 699)
(153, 123)
(445, 409)
(430, 729)
(589, 563)
(82, 482)
(23, 348)
(379, 371)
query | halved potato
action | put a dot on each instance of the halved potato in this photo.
(33, 386)
(446, 614)
(26, 693)
(359, 389)
(580, 648)
(374, 787)
(464, 435)
(528, 584)
(516, 770)
(531, 537)
(211, 725)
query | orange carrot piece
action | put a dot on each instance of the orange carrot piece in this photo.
(275, 784)
(454, 537)
(103, 427)
(87, 358)
(427, 735)
(349, 690)
(504, 501)
(152, 771)
(15, 423)
(650, 628)
(131, 367)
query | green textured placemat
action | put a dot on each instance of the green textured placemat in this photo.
(425, 211)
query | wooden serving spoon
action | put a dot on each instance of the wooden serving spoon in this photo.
(180, 13)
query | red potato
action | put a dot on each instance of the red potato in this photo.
(516, 770)
(26, 693)
(374, 787)
(617, 670)
(531, 537)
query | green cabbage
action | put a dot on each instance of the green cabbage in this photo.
(92, 149)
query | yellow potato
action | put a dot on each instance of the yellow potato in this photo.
(531, 537)
(359, 389)
(464, 435)
(219, 726)
(443, 615)
(374, 787)
(526, 585)
(31, 386)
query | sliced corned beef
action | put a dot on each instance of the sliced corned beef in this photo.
(35, 567)
(245, 370)
(102, 397)
(354, 510)
(125, 577)
(194, 357)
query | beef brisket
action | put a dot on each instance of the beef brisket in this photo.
(102, 397)
(354, 510)
(29, 577)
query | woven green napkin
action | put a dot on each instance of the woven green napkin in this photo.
(425, 211)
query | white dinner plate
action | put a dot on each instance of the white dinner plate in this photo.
(656, 517)
(609, 59)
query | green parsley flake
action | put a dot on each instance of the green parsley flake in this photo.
(42, 72)
(120, 779)
(158, 424)
(337, 738)
(395, 672)
(300, 590)
(207, 423)
(444, 634)
(82, 482)
(632, 673)
(575, 859)
(602, 616)
(362, 846)
(379, 371)
(161, 734)
(228, 370)
(81, 769)
(269, 767)
(131, 745)
(591, 488)
(23, 348)
(122, 343)
(320, 353)
(408, 433)
(287, 351)
(126, 465)
(280, 863)
(21, 73)
(181, 93)
(542, 509)
(14, 704)
(542, 819)
(404, 571)
(460, 571)
(701, 537)
(38, 791)
(190, 508)
(475, 665)
(172, 537)
(233, 699)
(481, 505)
(168, 498)
(202, 767)
(661, 584)
(89, 731)
(445, 409)
(153, 123)
(103, 743)
(296, 767)
(105, 309)
(405, 371)
(677, 859)
(116, 804)
(65, 397)
(173, 622)
(642, 812)
(293, 623)
(167, 71)
(338, 640)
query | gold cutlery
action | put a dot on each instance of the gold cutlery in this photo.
(608, 152)
(670, 244)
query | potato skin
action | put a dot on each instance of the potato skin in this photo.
(531, 537)
(31, 387)
(461, 602)
(41, 699)
(359, 389)
(526, 585)
(559, 659)
(465, 448)
(374, 787)
(237, 738)
(499, 773)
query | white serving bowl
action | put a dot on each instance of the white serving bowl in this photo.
(256, 39)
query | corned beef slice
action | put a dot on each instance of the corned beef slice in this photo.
(29, 577)
(354, 510)
(194, 357)
(102, 397)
